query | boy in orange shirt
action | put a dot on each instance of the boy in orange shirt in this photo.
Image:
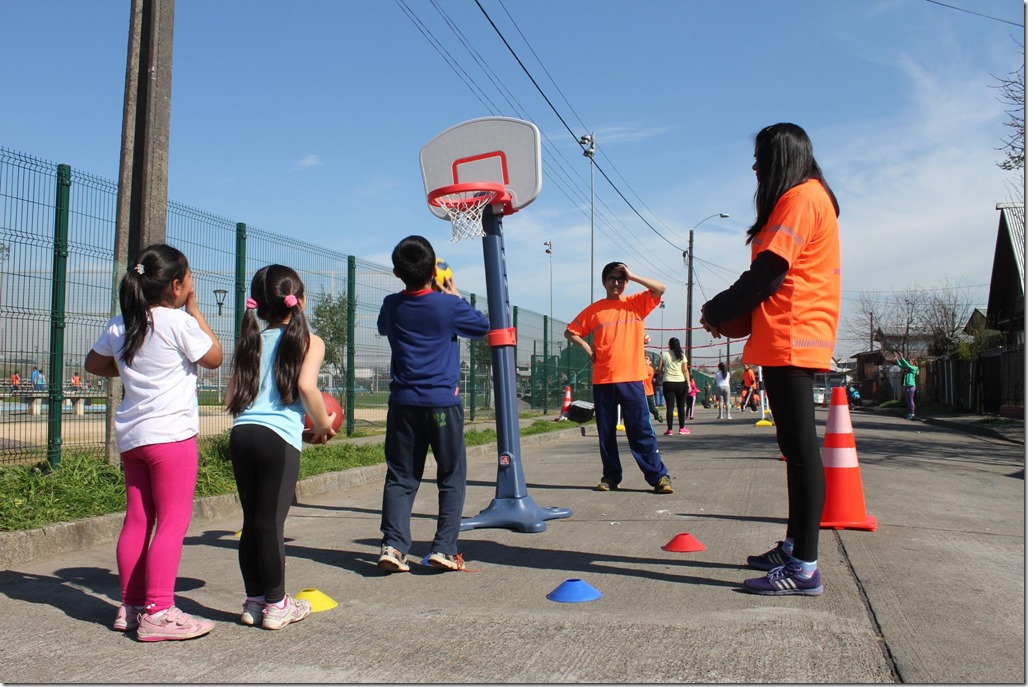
(616, 323)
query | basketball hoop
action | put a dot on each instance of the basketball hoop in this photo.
(465, 203)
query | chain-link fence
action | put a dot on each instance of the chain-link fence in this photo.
(58, 286)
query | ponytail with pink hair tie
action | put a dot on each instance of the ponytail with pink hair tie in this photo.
(290, 301)
(251, 304)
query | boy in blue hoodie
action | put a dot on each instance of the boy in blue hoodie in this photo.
(422, 323)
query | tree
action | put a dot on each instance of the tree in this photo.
(327, 319)
(866, 320)
(945, 315)
(1011, 94)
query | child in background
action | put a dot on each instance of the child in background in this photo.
(422, 323)
(155, 348)
(274, 381)
(648, 387)
(693, 391)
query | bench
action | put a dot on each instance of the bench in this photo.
(77, 399)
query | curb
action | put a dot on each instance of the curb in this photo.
(974, 429)
(64, 537)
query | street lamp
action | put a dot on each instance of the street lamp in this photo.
(688, 296)
(549, 252)
(590, 140)
(219, 296)
(662, 325)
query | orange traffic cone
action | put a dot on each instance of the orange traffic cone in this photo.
(566, 407)
(844, 492)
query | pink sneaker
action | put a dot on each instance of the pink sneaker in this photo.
(174, 624)
(685, 430)
(127, 618)
(668, 433)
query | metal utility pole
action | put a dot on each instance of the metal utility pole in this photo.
(590, 140)
(688, 295)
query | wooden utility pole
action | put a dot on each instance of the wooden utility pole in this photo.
(143, 174)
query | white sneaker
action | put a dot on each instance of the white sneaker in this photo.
(294, 611)
(252, 612)
(391, 560)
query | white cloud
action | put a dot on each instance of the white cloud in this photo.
(307, 162)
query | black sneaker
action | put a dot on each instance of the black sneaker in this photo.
(769, 560)
(606, 485)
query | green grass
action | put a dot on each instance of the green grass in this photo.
(86, 486)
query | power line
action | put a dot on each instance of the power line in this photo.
(961, 9)
(562, 121)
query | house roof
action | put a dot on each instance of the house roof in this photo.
(1005, 308)
(1013, 219)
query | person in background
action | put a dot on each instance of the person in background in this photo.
(658, 387)
(909, 384)
(675, 368)
(15, 382)
(650, 390)
(749, 383)
(723, 379)
(76, 382)
(155, 347)
(617, 325)
(694, 390)
(792, 292)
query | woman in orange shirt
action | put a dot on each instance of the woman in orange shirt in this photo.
(792, 292)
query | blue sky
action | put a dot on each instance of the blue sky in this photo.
(306, 118)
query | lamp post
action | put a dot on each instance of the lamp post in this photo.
(688, 296)
(662, 325)
(219, 297)
(549, 252)
(590, 140)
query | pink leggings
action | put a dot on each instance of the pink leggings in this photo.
(159, 483)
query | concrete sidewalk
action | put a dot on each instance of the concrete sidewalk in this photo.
(936, 594)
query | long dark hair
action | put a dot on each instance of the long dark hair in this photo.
(144, 286)
(269, 288)
(784, 159)
(676, 348)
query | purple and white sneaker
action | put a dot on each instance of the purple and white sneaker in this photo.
(769, 560)
(785, 581)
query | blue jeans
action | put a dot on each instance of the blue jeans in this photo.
(636, 416)
(410, 431)
(908, 391)
(658, 394)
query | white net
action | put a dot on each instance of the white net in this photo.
(465, 209)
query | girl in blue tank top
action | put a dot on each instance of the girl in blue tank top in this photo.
(274, 381)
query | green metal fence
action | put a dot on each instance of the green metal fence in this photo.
(58, 286)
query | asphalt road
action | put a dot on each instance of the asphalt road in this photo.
(935, 595)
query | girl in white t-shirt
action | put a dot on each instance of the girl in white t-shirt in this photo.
(155, 347)
(724, 391)
(274, 380)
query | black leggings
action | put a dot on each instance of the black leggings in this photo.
(790, 390)
(674, 396)
(266, 468)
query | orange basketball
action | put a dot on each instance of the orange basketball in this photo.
(331, 406)
(737, 328)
